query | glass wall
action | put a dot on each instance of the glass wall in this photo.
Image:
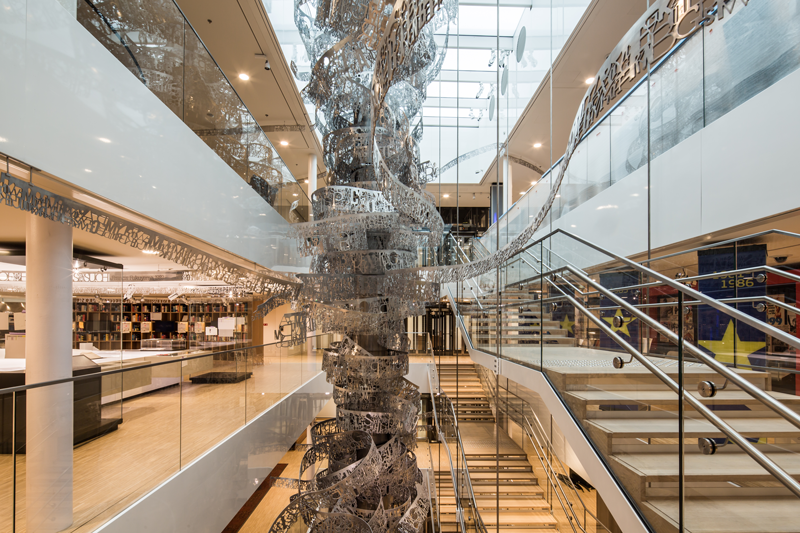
(158, 45)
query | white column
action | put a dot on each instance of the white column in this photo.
(508, 184)
(48, 354)
(312, 177)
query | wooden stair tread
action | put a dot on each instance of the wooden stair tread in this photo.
(693, 428)
(733, 397)
(734, 515)
(711, 467)
(516, 518)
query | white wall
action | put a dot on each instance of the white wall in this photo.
(209, 492)
(62, 92)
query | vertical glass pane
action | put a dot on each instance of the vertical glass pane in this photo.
(748, 51)
(628, 130)
(148, 41)
(676, 97)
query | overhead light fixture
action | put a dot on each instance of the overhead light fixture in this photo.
(523, 192)
(87, 170)
(5, 252)
(284, 143)
(537, 145)
(244, 76)
(294, 194)
(445, 196)
(150, 251)
(104, 140)
(589, 81)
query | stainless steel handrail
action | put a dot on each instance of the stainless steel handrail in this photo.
(446, 400)
(769, 465)
(779, 408)
(478, 520)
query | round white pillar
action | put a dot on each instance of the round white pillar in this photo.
(508, 185)
(48, 354)
(312, 180)
(311, 344)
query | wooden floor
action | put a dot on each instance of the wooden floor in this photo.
(161, 432)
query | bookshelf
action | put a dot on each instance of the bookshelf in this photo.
(114, 326)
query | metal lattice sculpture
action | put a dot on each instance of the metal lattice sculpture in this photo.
(368, 222)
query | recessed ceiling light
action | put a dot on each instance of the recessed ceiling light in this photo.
(537, 145)
(149, 251)
(305, 181)
(589, 81)
(294, 194)
(284, 143)
(445, 196)
(523, 192)
(104, 140)
(244, 76)
(87, 170)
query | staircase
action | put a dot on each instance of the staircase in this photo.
(632, 419)
(522, 503)
(520, 324)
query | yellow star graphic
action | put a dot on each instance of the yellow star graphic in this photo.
(625, 321)
(723, 349)
(567, 324)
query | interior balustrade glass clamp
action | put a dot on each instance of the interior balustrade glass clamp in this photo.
(708, 389)
(619, 362)
(710, 446)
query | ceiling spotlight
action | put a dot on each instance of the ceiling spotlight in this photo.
(284, 143)
(523, 192)
(589, 81)
(445, 196)
(537, 145)
(104, 140)
(305, 181)
(150, 251)
(294, 194)
(244, 76)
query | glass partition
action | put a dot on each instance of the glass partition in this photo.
(175, 408)
(158, 45)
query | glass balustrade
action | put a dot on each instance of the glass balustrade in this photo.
(158, 45)
(708, 75)
(137, 426)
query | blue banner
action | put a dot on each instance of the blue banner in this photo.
(730, 341)
(627, 326)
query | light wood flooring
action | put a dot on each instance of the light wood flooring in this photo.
(161, 432)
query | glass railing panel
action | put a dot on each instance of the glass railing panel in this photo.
(170, 414)
(149, 41)
(676, 98)
(212, 401)
(160, 48)
(748, 51)
(10, 454)
(264, 386)
(628, 132)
